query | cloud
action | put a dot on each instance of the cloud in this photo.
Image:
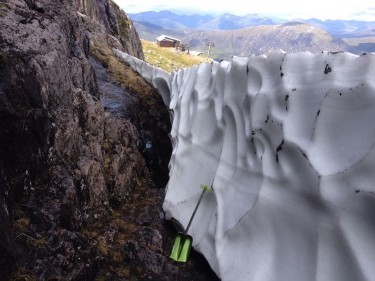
(323, 9)
(366, 14)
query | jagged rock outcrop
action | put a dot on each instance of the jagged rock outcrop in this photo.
(56, 140)
(108, 25)
(78, 164)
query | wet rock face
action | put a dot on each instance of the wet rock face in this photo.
(62, 159)
(147, 113)
(76, 195)
(48, 93)
(6, 243)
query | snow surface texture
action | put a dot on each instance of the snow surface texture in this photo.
(287, 140)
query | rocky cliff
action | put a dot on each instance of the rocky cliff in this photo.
(108, 25)
(54, 130)
(82, 148)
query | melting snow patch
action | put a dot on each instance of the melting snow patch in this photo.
(287, 141)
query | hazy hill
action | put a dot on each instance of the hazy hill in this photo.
(290, 37)
(167, 19)
(345, 28)
(361, 45)
(170, 20)
(149, 31)
(232, 22)
(260, 35)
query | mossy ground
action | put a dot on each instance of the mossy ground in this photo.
(121, 229)
(122, 73)
(108, 237)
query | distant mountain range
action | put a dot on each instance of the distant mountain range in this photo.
(254, 34)
(290, 37)
(345, 28)
(170, 20)
(167, 19)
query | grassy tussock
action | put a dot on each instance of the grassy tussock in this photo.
(121, 72)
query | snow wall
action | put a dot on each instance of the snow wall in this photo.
(287, 142)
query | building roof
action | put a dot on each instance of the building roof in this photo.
(167, 38)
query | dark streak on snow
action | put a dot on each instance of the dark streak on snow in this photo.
(304, 154)
(327, 69)
(280, 147)
(370, 192)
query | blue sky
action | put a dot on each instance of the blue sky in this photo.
(289, 9)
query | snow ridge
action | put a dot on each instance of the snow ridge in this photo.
(287, 142)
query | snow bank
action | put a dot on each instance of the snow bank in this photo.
(288, 143)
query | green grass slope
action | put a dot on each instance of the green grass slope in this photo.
(169, 59)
